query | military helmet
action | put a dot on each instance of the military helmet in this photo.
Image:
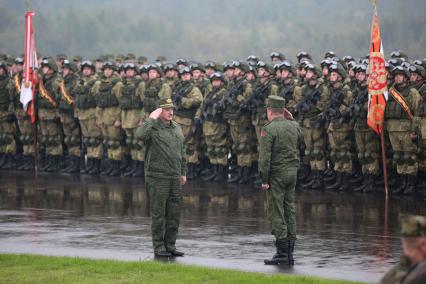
(265, 66)
(227, 65)
(70, 65)
(129, 65)
(418, 69)
(49, 63)
(303, 54)
(338, 68)
(405, 64)
(326, 62)
(160, 58)
(240, 65)
(252, 60)
(181, 61)
(210, 64)
(348, 58)
(19, 60)
(154, 66)
(197, 66)
(169, 66)
(400, 70)
(184, 70)
(142, 59)
(108, 64)
(360, 68)
(61, 56)
(395, 61)
(351, 64)
(330, 54)
(144, 68)
(87, 63)
(276, 54)
(420, 63)
(314, 68)
(217, 76)
(398, 54)
(4, 66)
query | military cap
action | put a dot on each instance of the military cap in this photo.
(49, 62)
(181, 61)
(330, 54)
(142, 59)
(217, 76)
(413, 225)
(19, 60)
(161, 58)
(166, 103)
(227, 65)
(70, 65)
(418, 69)
(303, 54)
(61, 56)
(265, 66)
(400, 70)
(169, 66)
(108, 64)
(275, 102)
(276, 54)
(196, 66)
(77, 58)
(240, 65)
(339, 69)
(184, 70)
(87, 63)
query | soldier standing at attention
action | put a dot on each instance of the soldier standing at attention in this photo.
(278, 164)
(165, 172)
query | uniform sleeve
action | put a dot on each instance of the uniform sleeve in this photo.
(324, 98)
(144, 133)
(347, 100)
(266, 142)
(183, 159)
(165, 92)
(416, 102)
(117, 89)
(246, 94)
(296, 97)
(194, 99)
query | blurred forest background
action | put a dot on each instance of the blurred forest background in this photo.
(217, 30)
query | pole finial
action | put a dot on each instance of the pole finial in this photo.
(27, 5)
(374, 2)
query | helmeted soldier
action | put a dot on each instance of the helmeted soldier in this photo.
(214, 128)
(276, 57)
(198, 76)
(181, 62)
(252, 60)
(303, 56)
(289, 91)
(210, 67)
(171, 75)
(66, 102)
(339, 129)
(228, 71)
(85, 111)
(108, 116)
(187, 99)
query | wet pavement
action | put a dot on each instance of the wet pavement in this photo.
(341, 235)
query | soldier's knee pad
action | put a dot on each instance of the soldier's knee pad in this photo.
(369, 158)
(409, 158)
(67, 140)
(308, 153)
(397, 157)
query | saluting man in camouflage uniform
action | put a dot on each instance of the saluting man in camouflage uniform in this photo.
(7, 120)
(339, 129)
(187, 99)
(66, 103)
(214, 128)
(239, 121)
(165, 171)
(278, 163)
(50, 127)
(400, 119)
(85, 111)
(108, 116)
(131, 109)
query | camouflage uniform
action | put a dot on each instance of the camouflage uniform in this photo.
(278, 163)
(7, 121)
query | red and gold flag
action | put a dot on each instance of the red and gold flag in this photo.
(377, 78)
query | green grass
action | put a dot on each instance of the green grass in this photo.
(48, 269)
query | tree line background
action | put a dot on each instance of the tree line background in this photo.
(216, 30)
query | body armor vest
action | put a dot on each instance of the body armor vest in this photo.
(106, 98)
(129, 99)
(84, 99)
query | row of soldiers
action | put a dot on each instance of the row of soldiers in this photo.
(89, 113)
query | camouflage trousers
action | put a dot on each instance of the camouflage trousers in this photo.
(404, 152)
(92, 138)
(422, 145)
(51, 136)
(281, 208)
(315, 146)
(134, 145)
(191, 142)
(368, 150)
(7, 136)
(215, 135)
(112, 140)
(165, 199)
(72, 135)
(341, 145)
(244, 144)
(26, 130)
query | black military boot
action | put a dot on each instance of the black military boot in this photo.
(291, 244)
(75, 165)
(116, 169)
(304, 172)
(245, 175)
(370, 185)
(345, 183)
(330, 176)
(310, 181)
(130, 169)
(2, 159)
(8, 165)
(190, 173)
(28, 165)
(337, 182)
(70, 164)
(139, 170)
(402, 183)
(221, 175)
(235, 177)
(85, 167)
(421, 180)
(18, 161)
(47, 161)
(411, 185)
(363, 185)
(95, 167)
(281, 256)
(108, 168)
(213, 174)
(318, 181)
(54, 164)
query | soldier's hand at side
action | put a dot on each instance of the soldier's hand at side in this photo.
(156, 113)
(288, 115)
(182, 180)
(117, 124)
(264, 186)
